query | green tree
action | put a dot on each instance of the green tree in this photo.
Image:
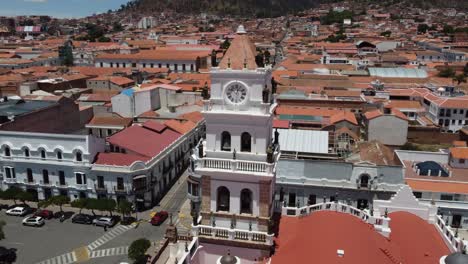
(12, 193)
(59, 201)
(24, 196)
(422, 28)
(117, 27)
(226, 44)
(43, 204)
(2, 234)
(79, 203)
(109, 205)
(447, 72)
(124, 207)
(137, 250)
(460, 78)
(448, 30)
(387, 33)
(92, 204)
(103, 39)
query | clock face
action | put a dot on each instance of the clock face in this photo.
(236, 93)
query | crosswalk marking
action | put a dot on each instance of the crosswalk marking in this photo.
(108, 252)
(114, 232)
(67, 258)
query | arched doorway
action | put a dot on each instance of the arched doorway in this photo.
(226, 141)
(223, 199)
(246, 201)
(246, 142)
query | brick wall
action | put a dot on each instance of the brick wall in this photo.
(265, 198)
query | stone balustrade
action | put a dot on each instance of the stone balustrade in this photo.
(232, 234)
(450, 237)
(236, 165)
(381, 224)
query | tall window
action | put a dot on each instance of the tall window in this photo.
(226, 141)
(45, 176)
(43, 154)
(365, 180)
(26, 152)
(79, 156)
(120, 183)
(7, 151)
(246, 201)
(29, 174)
(246, 142)
(10, 172)
(100, 181)
(80, 178)
(62, 178)
(59, 155)
(222, 201)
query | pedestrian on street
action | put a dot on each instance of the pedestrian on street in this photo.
(105, 228)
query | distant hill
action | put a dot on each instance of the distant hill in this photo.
(247, 8)
(264, 8)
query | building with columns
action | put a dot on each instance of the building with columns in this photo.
(233, 171)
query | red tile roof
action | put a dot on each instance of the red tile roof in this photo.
(181, 127)
(344, 116)
(438, 186)
(118, 159)
(114, 120)
(317, 238)
(144, 141)
(417, 240)
(192, 116)
(280, 123)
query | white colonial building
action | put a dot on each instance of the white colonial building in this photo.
(49, 164)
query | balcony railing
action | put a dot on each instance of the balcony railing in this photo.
(42, 182)
(10, 180)
(61, 184)
(100, 187)
(381, 223)
(30, 182)
(122, 189)
(236, 165)
(233, 234)
(81, 186)
(451, 238)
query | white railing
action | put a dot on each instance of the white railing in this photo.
(189, 252)
(10, 180)
(452, 240)
(381, 224)
(237, 165)
(232, 234)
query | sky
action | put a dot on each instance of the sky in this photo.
(57, 8)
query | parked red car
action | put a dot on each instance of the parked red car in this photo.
(46, 214)
(159, 218)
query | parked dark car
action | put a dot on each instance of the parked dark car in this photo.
(83, 219)
(159, 218)
(7, 255)
(46, 214)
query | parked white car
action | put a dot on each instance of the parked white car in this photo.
(34, 221)
(17, 211)
(104, 221)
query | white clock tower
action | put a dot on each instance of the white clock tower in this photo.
(235, 167)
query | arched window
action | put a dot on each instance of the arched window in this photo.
(26, 152)
(364, 180)
(223, 199)
(246, 142)
(79, 156)
(246, 201)
(59, 154)
(226, 141)
(7, 151)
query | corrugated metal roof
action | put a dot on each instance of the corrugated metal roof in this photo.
(398, 72)
(309, 141)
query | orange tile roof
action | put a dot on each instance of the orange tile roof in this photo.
(172, 55)
(344, 116)
(438, 186)
(114, 120)
(242, 51)
(181, 127)
(459, 152)
(195, 116)
(372, 114)
(405, 104)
